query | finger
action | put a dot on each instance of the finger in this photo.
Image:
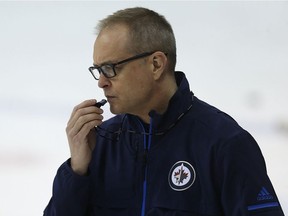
(78, 112)
(88, 127)
(85, 115)
(79, 134)
(84, 111)
(74, 127)
(84, 119)
(85, 103)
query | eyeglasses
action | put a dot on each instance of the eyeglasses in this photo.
(108, 70)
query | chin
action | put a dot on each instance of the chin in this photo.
(115, 111)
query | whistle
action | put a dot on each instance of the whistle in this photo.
(101, 103)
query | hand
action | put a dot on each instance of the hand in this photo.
(81, 135)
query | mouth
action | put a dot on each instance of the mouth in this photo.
(110, 98)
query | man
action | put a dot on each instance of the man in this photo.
(165, 152)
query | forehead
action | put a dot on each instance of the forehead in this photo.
(111, 44)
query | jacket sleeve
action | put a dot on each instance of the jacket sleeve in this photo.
(70, 193)
(244, 184)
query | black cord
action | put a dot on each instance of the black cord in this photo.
(120, 131)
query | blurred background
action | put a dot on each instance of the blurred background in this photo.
(234, 53)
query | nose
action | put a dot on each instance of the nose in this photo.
(103, 81)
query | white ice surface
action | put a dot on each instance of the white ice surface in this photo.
(233, 53)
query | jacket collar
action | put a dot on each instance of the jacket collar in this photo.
(178, 104)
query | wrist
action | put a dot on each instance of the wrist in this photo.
(79, 169)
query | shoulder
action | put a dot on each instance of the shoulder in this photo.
(220, 131)
(214, 120)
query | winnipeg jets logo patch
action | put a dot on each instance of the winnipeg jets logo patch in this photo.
(181, 176)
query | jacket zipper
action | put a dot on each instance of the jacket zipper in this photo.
(144, 187)
(145, 157)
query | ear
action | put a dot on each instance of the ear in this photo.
(159, 64)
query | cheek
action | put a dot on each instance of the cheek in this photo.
(134, 89)
(137, 83)
(128, 93)
(136, 92)
(140, 85)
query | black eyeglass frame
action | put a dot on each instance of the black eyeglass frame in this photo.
(113, 65)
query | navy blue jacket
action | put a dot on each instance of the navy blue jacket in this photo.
(192, 160)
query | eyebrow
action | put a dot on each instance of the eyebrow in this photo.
(106, 63)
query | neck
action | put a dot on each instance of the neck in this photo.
(160, 101)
